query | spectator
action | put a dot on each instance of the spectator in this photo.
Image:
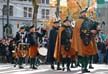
(103, 36)
(106, 43)
(101, 50)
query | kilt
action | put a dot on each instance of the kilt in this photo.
(65, 53)
(33, 51)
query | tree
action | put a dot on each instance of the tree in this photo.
(35, 7)
(75, 6)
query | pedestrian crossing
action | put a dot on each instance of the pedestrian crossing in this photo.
(45, 69)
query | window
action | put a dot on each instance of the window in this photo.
(4, 9)
(39, 1)
(45, 13)
(47, 1)
(30, 12)
(43, 1)
(10, 10)
(25, 11)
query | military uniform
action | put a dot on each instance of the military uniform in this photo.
(63, 51)
(82, 49)
(20, 38)
(33, 50)
(51, 45)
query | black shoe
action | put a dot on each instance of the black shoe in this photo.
(85, 71)
(52, 67)
(90, 67)
(63, 69)
(15, 65)
(34, 67)
(58, 68)
(68, 70)
(20, 67)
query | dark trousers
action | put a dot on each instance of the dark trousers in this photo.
(32, 62)
(84, 60)
(90, 60)
(66, 61)
(20, 61)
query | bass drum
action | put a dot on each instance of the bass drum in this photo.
(42, 54)
(42, 51)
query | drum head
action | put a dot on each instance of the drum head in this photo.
(42, 51)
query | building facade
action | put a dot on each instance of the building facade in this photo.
(102, 12)
(20, 14)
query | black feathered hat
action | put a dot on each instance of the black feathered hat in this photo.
(67, 19)
(31, 27)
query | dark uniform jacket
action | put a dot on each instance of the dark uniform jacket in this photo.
(32, 38)
(51, 44)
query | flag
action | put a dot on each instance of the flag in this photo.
(100, 1)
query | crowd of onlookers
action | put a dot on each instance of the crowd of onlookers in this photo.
(102, 45)
(6, 48)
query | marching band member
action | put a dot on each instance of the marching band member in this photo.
(84, 46)
(20, 38)
(51, 44)
(63, 51)
(33, 50)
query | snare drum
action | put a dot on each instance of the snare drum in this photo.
(23, 48)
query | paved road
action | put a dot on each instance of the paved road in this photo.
(45, 69)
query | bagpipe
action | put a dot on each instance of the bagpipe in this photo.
(68, 36)
(85, 29)
(88, 25)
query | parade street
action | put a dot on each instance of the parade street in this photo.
(45, 69)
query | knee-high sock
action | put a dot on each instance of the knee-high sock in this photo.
(32, 62)
(58, 65)
(90, 60)
(68, 62)
(85, 61)
(20, 60)
(63, 62)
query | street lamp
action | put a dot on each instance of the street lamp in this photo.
(8, 12)
(3, 20)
